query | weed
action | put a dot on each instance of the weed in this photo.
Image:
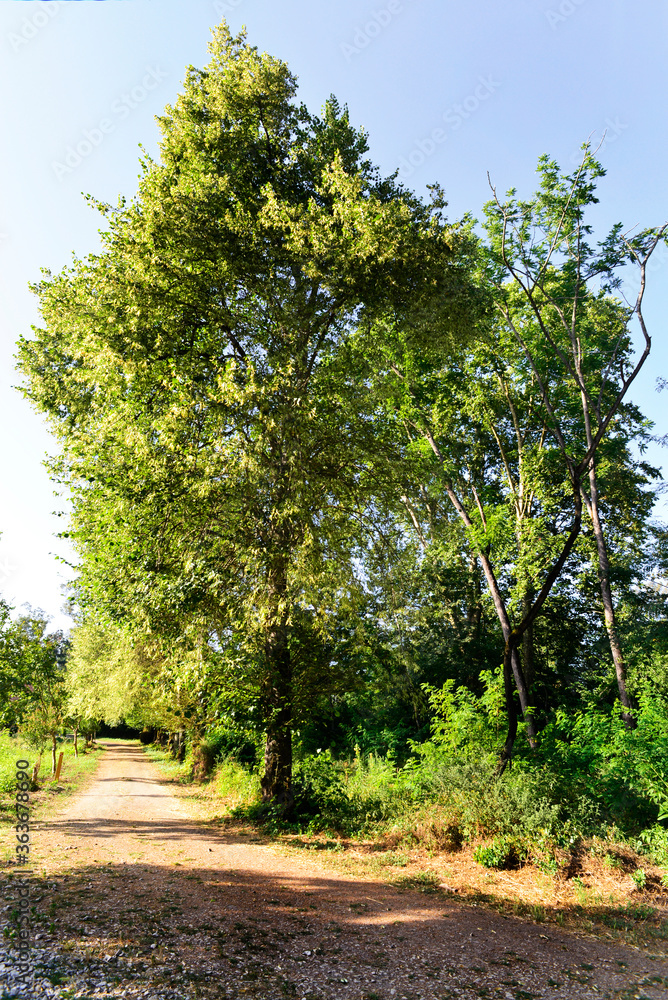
(391, 859)
(581, 891)
(549, 865)
(424, 881)
(639, 876)
(503, 852)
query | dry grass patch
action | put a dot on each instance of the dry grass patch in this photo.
(588, 896)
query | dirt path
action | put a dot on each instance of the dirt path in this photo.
(134, 900)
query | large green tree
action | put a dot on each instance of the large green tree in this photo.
(215, 424)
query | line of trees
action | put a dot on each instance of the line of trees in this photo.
(325, 446)
(35, 699)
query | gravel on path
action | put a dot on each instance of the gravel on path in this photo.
(134, 899)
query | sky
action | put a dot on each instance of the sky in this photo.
(449, 91)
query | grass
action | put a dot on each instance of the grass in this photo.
(174, 770)
(74, 773)
(230, 787)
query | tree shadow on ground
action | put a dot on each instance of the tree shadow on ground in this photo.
(207, 931)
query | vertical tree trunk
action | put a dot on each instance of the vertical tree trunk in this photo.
(276, 782)
(474, 602)
(527, 641)
(53, 755)
(512, 657)
(591, 502)
(511, 710)
(504, 621)
(76, 741)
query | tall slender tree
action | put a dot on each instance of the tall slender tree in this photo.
(556, 293)
(560, 352)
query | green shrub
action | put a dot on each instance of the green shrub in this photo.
(598, 760)
(482, 804)
(318, 787)
(235, 784)
(589, 777)
(218, 745)
(639, 876)
(503, 852)
(654, 842)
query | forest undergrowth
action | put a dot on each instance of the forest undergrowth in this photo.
(573, 832)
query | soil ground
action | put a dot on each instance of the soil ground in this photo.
(135, 899)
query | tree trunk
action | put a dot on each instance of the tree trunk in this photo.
(277, 698)
(76, 741)
(504, 621)
(512, 656)
(527, 641)
(511, 710)
(474, 602)
(591, 502)
(53, 755)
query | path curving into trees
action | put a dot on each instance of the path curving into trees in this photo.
(138, 900)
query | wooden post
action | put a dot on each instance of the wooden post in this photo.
(60, 764)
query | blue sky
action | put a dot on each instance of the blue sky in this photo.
(447, 89)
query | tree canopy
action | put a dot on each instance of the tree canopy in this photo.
(337, 464)
(202, 376)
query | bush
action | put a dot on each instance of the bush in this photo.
(318, 787)
(639, 876)
(589, 772)
(503, 852)
(598, 760)
(482, 804)
(216, 746)
(236, 785)
(590, 776)
(654, 842)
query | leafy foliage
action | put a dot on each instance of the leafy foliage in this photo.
(359, 494)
